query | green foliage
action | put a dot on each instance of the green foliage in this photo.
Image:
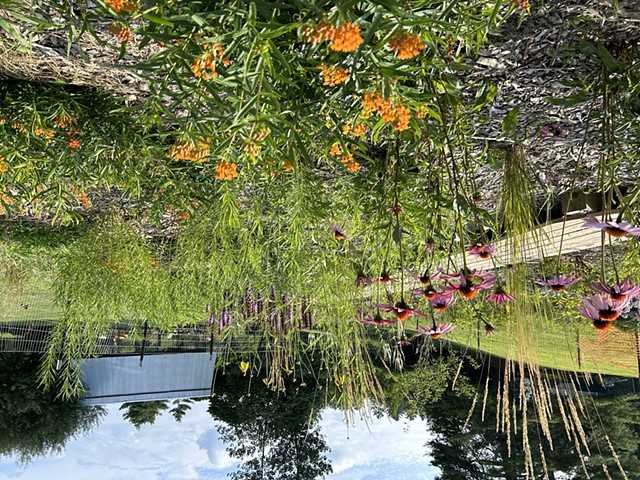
(33, 423)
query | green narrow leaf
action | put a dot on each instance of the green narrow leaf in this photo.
(510, 122)
(485, 95)
(569, 101)
(158, 20)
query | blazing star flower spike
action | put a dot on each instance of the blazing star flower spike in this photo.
(400, 310)
(338, 232)
(615, 229)
(602, 307)
(619, 291)
(435, 331)
(481, 250)
(558, 282)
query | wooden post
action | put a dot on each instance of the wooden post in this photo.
(144, 341)
(578, 348)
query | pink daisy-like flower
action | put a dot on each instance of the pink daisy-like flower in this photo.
(615, 229)
(428, 291)
(557, 283)
(489, 329)
(425, 278)
(441, 302)
(362, 280)
(338, 232)
(499, 296)
(377, 320)
(481, 250)
(467, 286)
(602, 307)
(384, 278)
(619, 291)
(401, 310)
(435, 331)
(403, 341)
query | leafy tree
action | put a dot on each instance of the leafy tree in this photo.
(32, 422)
(279, 433)
(141, 413)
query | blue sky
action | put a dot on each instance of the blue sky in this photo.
(115, 450)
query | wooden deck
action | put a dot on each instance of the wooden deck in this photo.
(545, 241)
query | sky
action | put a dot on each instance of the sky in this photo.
(378, 449)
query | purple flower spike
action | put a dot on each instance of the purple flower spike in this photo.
(615, 229)
(207, 308)
(212, 319)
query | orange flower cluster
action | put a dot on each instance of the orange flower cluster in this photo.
(405, 45)
(345, 38)
(322, 32)
(120, 30)
(353, 167)
(43, 132)
(347, 158)
(251, 149)
(74, 143)
(192, 152)
(287, 165)
(84, 200)
(335, 149)
(63, 120)
(226, 171)
(259, 133)
(19, 127)
(4, 200)
(182, 216)
(358, 130)
(521, 4)
(393, 113)
(123, 5)
(3, 166)
(204, 66)
(333, 75)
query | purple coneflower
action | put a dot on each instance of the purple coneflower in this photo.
(602, 307)
(441, 302)
(467, 288)
(481, 250)
(338, 232)
(489, 329)
(429, 292)
(401, 310)
(615, 229)
(558, 282)
(362, 280)
(499, 296)
(619, 291)
(377, 320)
(435, 331)
(425, 278)
(384, 278)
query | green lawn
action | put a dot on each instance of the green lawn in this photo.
(612, 352)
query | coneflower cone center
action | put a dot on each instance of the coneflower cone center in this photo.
(436, 335)
(402, 316)
(440, 307)
(484, 254)
(557, 288)
(608, 315)
(468, 292)
(601, 325)
(618, 296)
(615, 232)
(430, 294)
